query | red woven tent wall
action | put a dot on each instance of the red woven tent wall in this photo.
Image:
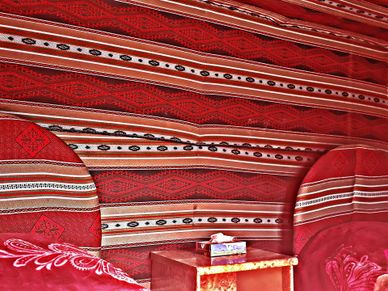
(196, 116)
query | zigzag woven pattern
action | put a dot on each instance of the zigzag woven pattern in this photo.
(195, 116)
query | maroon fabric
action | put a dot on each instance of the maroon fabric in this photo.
(196, 184)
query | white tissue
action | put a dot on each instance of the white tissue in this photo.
(219, 238)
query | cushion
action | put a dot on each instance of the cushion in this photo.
(341, 221)
(42, 266)
(45, 189)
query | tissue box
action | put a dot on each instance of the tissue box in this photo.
(222, 249)
(228, 260)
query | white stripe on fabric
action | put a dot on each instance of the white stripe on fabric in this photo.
(179, 221)
(342, 187)
(339, 196)
(45, 185)
(338, 205)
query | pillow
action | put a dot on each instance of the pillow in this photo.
(341, 221)
(56, 266)
(45, 189)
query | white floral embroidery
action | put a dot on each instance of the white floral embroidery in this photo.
(57, 255)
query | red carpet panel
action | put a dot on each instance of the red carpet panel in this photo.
(195, 117)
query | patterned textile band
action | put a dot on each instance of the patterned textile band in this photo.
(75, 89)
(110, 140)
(123, 58)
(187, 220)
(253, 19)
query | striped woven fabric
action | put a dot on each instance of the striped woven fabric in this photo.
(197, 116)
(347, 208)
(45, 189)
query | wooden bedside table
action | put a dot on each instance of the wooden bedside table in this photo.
(190, 271)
